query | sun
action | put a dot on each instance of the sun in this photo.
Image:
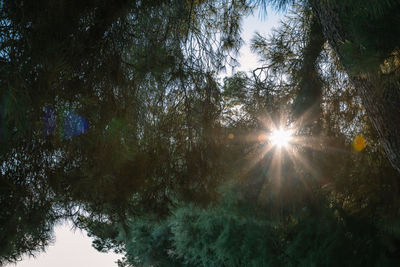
(280, 137)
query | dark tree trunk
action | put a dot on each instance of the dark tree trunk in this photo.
(307, 104)
(380, 96)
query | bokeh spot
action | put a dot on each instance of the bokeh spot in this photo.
(74, 125)
(359, 143)
(69, 124)
(262, 138)
(49, 121)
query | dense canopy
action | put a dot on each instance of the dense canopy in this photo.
(114, 115)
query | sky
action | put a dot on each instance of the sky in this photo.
(257, 22)
(72, 248)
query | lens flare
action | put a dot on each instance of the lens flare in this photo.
(359, 143)
(71, 124)
(280, 137)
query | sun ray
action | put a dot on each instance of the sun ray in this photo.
(281, 137)
(266, 149)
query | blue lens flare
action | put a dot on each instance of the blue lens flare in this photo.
(49, 121)
(74, 125)
(69, 124)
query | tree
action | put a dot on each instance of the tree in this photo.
(337, 209)
(365, 38)
(112, 116)
(361, 34)
(106, 109)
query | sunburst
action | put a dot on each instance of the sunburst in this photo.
(281, 137)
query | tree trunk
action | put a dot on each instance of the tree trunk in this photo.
(380, 96)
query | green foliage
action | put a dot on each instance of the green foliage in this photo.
(149, 243)
(370, 35)
(112, 116)
(197, 237)
(27, 211)
(328, 206)
(111, 107)
(332, 240)
(237, 233)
